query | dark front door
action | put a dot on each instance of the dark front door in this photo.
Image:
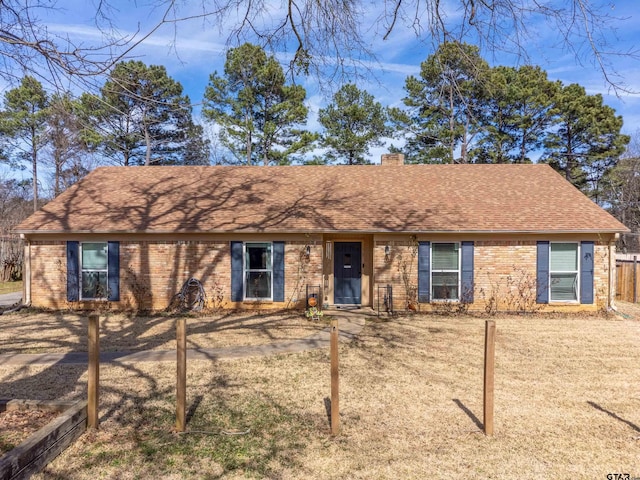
(347, 273)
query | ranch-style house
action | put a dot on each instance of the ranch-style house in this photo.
(513, 237)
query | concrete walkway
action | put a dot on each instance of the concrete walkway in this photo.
(8, 299)
(350, 324)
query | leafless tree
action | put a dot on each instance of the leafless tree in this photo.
(28, 47)
(333, 39)
(339, 33)
(14, 207)
(622, 190)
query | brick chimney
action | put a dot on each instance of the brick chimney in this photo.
(392, 159)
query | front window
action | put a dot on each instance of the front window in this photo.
(445, 271)
(93, 270)
(563, 272)
(258, 271)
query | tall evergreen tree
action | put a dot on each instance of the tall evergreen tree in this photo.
(197, 148)
(261, 117)
(516, 114)
(443, 105)
(142, 116)
(586, 140)
(23, 127)
(495, 141)
(66, 141)
(621, 194)
(353, 123)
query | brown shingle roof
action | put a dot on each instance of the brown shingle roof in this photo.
(372, 198)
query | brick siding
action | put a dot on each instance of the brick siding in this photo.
(504, 276)
(152, 272)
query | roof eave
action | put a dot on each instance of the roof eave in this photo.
(348, 232)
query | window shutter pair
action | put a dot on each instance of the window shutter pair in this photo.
(586, 272)
(424, 275)
(237, 294)
(73, 271)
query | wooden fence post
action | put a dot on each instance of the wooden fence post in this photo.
(335, 380)
(93, 385)
(181, 384)
(489, 370)
(635, 279)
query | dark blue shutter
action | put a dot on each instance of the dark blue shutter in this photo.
(236, 272)
(73, 272)
(586, 272)
(278, 271)
(113, 271)
(424, 280)
(542, 272)
(466, 295)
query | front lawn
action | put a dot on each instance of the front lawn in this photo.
(10, 287)
(567, 405)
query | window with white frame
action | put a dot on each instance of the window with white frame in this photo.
(93, 270)
(258, 271)
(445, 271)
(564, 272)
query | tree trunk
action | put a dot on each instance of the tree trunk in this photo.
(249, 148)
(34, 167)
(57, 175)
(523, 148)
(147, 139)
(466, 139)
(451, 126)
(571, 161)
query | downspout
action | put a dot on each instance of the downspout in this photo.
(612, 272)
(26, 271)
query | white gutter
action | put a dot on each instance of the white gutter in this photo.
(318, 232)
(612, 273)
(26, 271)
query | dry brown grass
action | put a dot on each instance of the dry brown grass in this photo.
(17, 425)
(38, 332)
(567, 406)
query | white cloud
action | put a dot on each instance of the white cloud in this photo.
(200, 50)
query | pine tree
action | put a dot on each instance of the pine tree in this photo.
(516, 114)
(353, 123)
(67, 146)
(142, 116)
(23, 127)
(442, 111)
(260, 117)
(586, 141)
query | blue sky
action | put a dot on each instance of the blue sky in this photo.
(192, 50)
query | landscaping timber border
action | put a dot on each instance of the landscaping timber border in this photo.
(39, 449)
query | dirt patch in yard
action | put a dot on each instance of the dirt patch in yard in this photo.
(17, 425)
(39, 332)
(628, 310)
(566, 406)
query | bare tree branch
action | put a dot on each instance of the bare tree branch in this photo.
(331, 39)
